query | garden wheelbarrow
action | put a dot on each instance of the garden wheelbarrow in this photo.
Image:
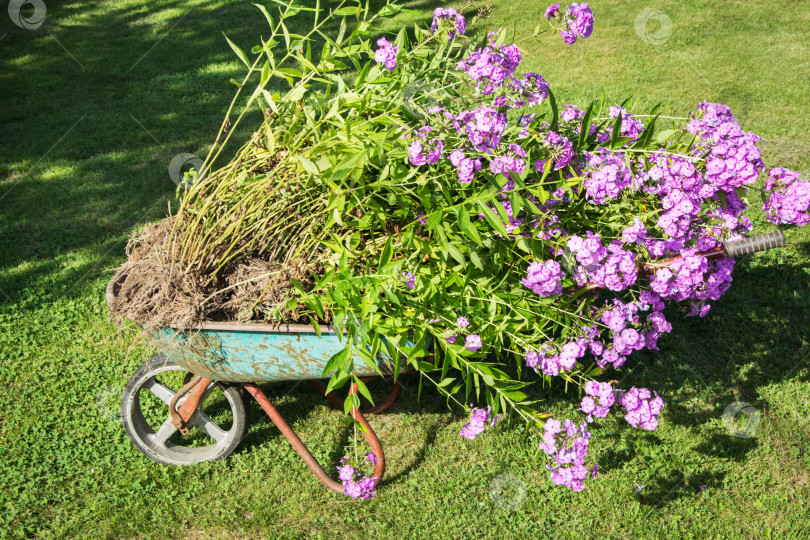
(222, 357)
(184, 405)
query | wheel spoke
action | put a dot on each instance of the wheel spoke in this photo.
(160, 390)
(207, 393)
(208, 427)
(164, 433)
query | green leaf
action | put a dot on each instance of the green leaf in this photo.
(308, 165)
(239, 52)
(665, 135)
(387, 252)
(296, 93)
(617, 129)
(363, 390)
(346, 12)
(555, 113)
(286, 35)
(265, 74)
(585, 126)
(315, 325)
(337, 360)
(266, 14)
(493, 220)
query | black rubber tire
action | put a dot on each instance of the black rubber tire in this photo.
(147, 440)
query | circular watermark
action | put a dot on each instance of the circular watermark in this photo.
(181, 165)
(741, 419)
(108, 402)
(22, 16)
(418, 98)
(508, 492)
(647, 29)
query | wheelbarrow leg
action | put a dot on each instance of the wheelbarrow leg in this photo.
(385, 405)
(301, 448)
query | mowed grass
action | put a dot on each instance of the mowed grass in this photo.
(98, 100)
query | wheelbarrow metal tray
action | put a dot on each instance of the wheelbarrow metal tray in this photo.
(248, 352)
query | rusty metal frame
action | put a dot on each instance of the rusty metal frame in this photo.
(303, 451)
(384, 406)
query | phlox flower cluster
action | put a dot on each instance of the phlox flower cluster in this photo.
(567, 447)
(484, 127)
(789, 199)
(386, 54)
(561, 149)
(630, 127)
(642, 411)
(421, 154)
(410, 279)
(480, 419)
(491, 67)
(598, 400)
(466, 166)
(448, 20)
(608, 176)
(692, 276)
(734, 159)
(566, 444)
(363, 488)
(635, 233)
(544, 278)
(551, 359)
(576, 21)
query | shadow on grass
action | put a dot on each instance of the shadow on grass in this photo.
(100, 104)
(305, 400)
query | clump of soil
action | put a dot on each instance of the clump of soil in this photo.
(156, 291)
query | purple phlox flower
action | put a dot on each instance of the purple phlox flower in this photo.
(372, 458)
(544, 278)
(566, 446)
(600, 397)
(479, 420)
(571, 114)
(463, 322)
(552, 11)
(410, 279)
(562, 150)
(639, 487)
(450, 21)
(641, 410)
(789, 198)
(607, 176)
(630, 126)
(419, 155)
(491, 67)
(576, 21)
(364, 489)
(346, 473)
(473, 342)
(635, 233)
(589, 251)
(386, 54)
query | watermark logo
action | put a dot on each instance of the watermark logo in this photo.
(418, 98)
(108, 403)
(508, 492)
(181, 165)
(653, 26)
(741, 419)
(23, 16)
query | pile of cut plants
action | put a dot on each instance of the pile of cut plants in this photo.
(420, 188)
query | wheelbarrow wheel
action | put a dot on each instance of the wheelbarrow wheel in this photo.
(219, 420)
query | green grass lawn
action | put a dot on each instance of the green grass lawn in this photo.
(97, 101)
